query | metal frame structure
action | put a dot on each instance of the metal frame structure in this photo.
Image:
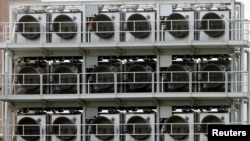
(158, 64)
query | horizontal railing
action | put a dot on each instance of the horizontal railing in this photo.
(126, 82)
(233, 30)
(88, 132)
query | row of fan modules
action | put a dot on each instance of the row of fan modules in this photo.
(131, 77)
(116, 26)
(117, 127)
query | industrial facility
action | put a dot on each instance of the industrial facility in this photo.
(123, 70)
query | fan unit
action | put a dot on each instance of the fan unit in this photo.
(65, 127)
(29, 80)
(140, 27)
(105, 27)
(102, 79)
(211, 118)
(32, 28)
(213, 77)
(214, 25)
(139, 127)
(138, 78)
(66, 27)
(64, 78)
(31, 127)
(177, 77)
(179, 127)
(106, 127)
(179, 26)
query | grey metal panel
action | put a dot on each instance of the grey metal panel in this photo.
(66, 127)
(91, 10)
(165, 9)
(32, 28)
(185, 130)
(24, 123)
(150, 16)
(72, 20)
(185, 27)
(149, 130)
(113, 125)
(224, 16)
(210, 118)
(115, 18)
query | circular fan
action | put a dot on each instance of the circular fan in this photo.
(213, 25)
(177, 127)
(64, 128)
(177, 22)
(65, 26)
(106, 128)
(29, 27)
(178, 75)
(209, 120)
(139, 73)
(62, 76)
(102, 74)
(138, 26)
(137, 125)
(29, 78)
(103, 26)
(29, 129)
(212, 74)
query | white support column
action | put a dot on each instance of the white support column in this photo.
(158, 130)
(244, 78)
(84, 132)
(243, 111)
(8, 125)
(157, 74)
(248, 111)
(84, 90)
(8, 119)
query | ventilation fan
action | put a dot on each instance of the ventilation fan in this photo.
(102, 78)
(32, 28)
(103, 26)
(177, 76)
(141, 75)
(214, 25)
(212, 76)
(64, 79)
(66, 27)
(139, 27)
(103, 125)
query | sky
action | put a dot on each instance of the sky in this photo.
(247, 8)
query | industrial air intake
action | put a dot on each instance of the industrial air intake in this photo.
(139, 128)
(177, 25)
(139, 77)
(212, 76)
(213, 24)
(209, 119)
(29, 27)
(177, 127)
(64, 128)
(64, 79)
(138, 25)
(177, 76)
(103, 26)
(102, 126)
(102, 78)
(29, 129)
(65, 26)
(29, 80)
